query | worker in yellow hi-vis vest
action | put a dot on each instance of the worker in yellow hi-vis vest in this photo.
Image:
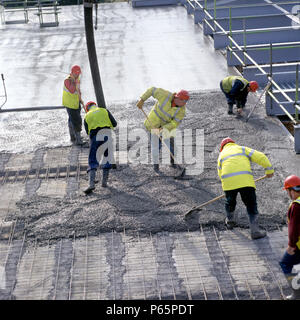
(71, 99)
(234, 170)
(98, 123)
(164, 117)
(236, 90)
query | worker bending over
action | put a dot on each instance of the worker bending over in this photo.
(98, 123)
(236, 90)
(234, 170)
(291, 256)
(164, 117)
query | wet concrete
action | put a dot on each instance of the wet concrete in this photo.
(138, 199)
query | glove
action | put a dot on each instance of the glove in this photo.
(140, 104)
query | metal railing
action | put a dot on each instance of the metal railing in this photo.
(246, 55)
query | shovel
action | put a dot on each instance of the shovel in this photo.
(182, 173)
(213, 200)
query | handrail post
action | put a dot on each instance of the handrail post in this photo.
(230, 32)
(244, 39)
(297, 94)
(215, 15)
(271, 73)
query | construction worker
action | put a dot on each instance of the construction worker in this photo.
(234, 170)
(164, 118)
(71, 99)
(236, 90)
(97, 121)
(291, 256)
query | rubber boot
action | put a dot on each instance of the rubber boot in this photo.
(294, 282)
(91, 187)
(105, 175)
(78, 140)
(72, 133)
(229, 220)
(256, 232)
(230, 109)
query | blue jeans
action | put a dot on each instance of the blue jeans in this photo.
(156, 142)
(106, 160)
(288, 261)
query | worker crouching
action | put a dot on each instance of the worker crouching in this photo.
(234, 170)
(98, 123)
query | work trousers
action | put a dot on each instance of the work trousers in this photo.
(231, 100)
(248, 196)
(156, 146)
(107, 154)
(75, 120)
(288, 261)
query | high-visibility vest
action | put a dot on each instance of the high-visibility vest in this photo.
(296, 201)
(162, 114)
(97, 118)
(70, 100)
(228, 82)
(234, 166)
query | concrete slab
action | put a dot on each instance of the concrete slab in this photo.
(130, 241)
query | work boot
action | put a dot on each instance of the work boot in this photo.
(230, 221)
(78, 141)
(105, 175)
(91, 187)
(230, 109)
(256, 232)
(72, 134)
(294, 283)
(156, 167)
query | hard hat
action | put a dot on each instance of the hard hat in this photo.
(89, 105)
(253, 86)
(225, 141)
(182, 95)
(292, 182)
(76, 70)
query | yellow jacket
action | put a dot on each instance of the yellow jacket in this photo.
(234, 166)
(162, 114)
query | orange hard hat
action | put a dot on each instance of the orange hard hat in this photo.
(253, 85)
(89, 105)
(225, 141)
(182, 95)
(292, 182)
(76, 70)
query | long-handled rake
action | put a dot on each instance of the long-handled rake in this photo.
(213, 200)
(182, 173)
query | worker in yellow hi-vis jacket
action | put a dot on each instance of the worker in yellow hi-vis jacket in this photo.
(234, 170)
(164, 117)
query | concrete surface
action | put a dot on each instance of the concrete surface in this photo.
(130, 241)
